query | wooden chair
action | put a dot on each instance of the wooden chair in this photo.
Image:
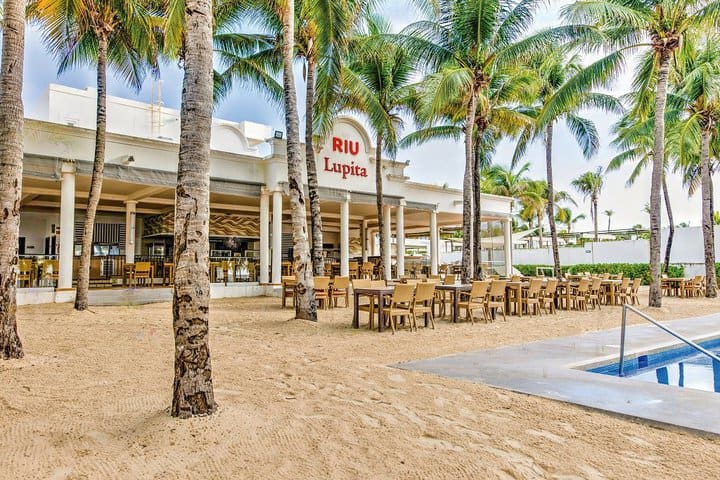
(533, 296)
(367, 270)
(694, 288)
(288, 289)
(549, 294)
(496, 298)
(623, 291)
(475, 299)
(368, 304)
(400, 304)
(25, 273)
(353, 268)
(322, 291)
(143, 271)
(422, 303)
(340, 289)
(579, 294)
(634, 291)
(595, 293)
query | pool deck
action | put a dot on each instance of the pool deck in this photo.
(554, 369)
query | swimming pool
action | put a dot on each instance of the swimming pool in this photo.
(679, 366)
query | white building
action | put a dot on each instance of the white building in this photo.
(249, 209)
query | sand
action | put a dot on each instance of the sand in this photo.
(303, 400)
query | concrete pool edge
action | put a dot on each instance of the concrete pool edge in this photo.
(550, 369)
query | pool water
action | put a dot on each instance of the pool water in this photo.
(681, 367)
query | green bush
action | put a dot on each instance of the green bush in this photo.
(630, 270)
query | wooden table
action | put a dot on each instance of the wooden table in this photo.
(676, 284)
(455, 293)
(373, 293)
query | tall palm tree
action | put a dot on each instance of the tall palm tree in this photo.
(192, 387)
(321, 38)
(590, 184)
(500, 114)
(699, 90)
(11, 157)
(117, 33)
(467, 42)
(305, 306)
(609, 214)
(624, 27)
(554, 69)
(378, 81)
(635, 141)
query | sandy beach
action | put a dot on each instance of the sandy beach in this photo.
(304, 400)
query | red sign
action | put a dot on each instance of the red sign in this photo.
(348, 147)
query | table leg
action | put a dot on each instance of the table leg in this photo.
(455, 306)
(381, 322)
(427, 315)
(355, 320)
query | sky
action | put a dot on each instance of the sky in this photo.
(439, 162)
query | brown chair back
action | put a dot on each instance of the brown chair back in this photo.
(403, 293)
(584, 285)
(361, 283)
(479, 289)
(450, 279)
(497, 288)
(377, 284)
(424, 292)
(535, 287)
(636, 284)
(551, 286)
(322, 283)
(341, 283)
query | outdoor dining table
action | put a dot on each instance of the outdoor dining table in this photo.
(373, 293)
(676, 284)
(455, 291)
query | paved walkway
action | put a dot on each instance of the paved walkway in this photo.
(555, 369)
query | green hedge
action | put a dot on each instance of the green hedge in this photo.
(630, 270)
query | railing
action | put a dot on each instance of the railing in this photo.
(661, 327)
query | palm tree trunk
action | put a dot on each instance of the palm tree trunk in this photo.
(312, 177)
(671, 224)
(11, 158)
(707, 215)
(477, 210)
(379, 203)
(305, 307)
(655, 296)
(549, 131)
(193, 387)
(540, 230)
(83, 282)
(595, 217)
(467, 260)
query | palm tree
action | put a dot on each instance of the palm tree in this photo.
(193, 387)
(589, 184)
(500, 114)
(378, 83)
(117, 33)
(466, 43)
(321, 37)
(554, 69)
(624, 27)
(11, 157)
(305, 306)
(699, 90)
(565, 216)
(635, 139)
(609, 214)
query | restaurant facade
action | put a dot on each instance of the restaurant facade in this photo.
(250, 231)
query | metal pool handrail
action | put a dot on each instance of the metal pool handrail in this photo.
(660, 326)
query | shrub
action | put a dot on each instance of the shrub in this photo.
(630, 270)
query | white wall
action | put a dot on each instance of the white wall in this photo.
(687, 250)
(35, 226)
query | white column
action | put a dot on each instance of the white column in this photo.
(130, 222)
(277, 238)
(365, 236)
(67, 225)
(400, 235)
(433, 243)
(264, 276)
(508, 247)
(387, 231)
(345, 237)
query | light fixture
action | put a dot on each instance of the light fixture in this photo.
(278, 135)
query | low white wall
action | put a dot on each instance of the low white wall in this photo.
(139, 296)
(687, 250)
